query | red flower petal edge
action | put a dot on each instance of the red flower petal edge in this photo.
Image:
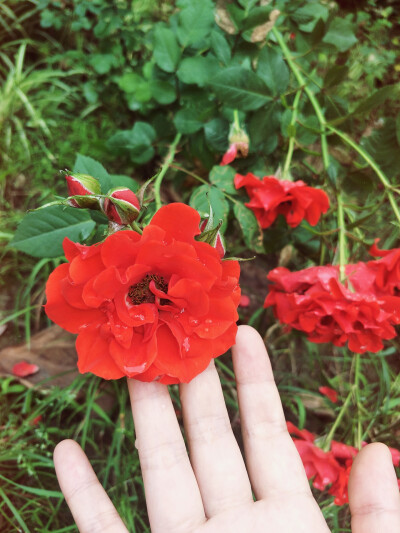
(331, 394)
(24, 369)
(270, 197)
(156, 306)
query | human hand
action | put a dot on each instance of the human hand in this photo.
(212, 492)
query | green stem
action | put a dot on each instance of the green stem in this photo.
(384, 180)
(292, 139)
(357, 395)
(236, 119)
(314, 102)
(168, 160)
(136, 227)
(202, 180)
(329, 437)
(342, 240)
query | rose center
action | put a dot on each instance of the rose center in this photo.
(140, 293)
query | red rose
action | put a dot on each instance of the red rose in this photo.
(313, 300)
(156, 306)
(270, 197)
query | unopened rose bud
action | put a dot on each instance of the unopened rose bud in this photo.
(238, 144)
(82, 185)
(212, 236)
(121, 206)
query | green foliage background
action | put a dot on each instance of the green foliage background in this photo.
(316, 86)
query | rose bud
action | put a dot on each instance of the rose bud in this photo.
(238, 145)
(212, 236)
(121, 206)
(82, 185)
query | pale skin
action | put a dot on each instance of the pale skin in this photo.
(211, 492)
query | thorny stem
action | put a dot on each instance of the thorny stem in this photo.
(309, 93)
(168, 160)
(342, 240)
(384, 180)
(289, 154)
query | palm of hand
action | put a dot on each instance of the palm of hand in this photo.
(212, 492)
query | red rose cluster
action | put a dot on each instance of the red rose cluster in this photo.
(362, 312)
(329, 468)
(156, 306)
(294, 200)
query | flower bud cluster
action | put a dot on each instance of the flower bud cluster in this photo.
(120, 205)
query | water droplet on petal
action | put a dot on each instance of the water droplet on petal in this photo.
(138, 369)
(186, 344)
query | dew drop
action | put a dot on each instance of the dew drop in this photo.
(136, 369)
(186, 344)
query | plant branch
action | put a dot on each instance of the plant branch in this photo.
(167, 162)
(342, 240)
(289, 154)
(314, 102)
(384, 180)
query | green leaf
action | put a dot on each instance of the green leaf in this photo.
(384, 147)
(188, 120)
(273, 70)
(90, 93)
(240, 88)
(167, 53)
(102, 63)
(132, 83)
(137, 142)
(195, 22)
(340, 34)
(197, 69)
(378, 98)
(309, 15)
(42, 232)
(222, 177)
(120, 180)
(216, 132)
(264, 127)
(335, 75)
(251, 230)
(87, 165)
(220, 47)
(163, 92)
(205, 195)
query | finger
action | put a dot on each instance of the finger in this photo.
(272, 460)
(172, 494)
(90, 506)
(214, 452)
(373, 492)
